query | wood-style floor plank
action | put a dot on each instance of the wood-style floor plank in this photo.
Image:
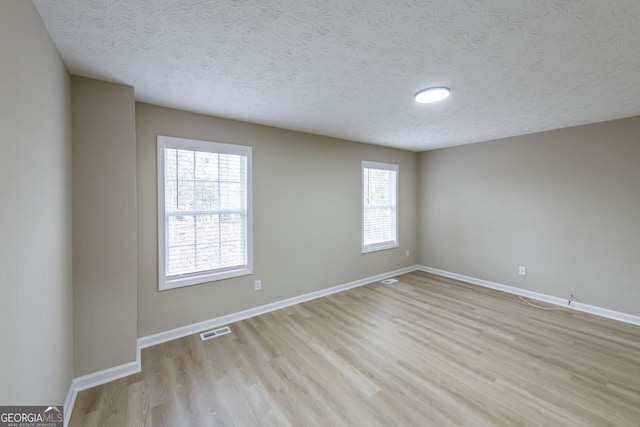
(426, 350)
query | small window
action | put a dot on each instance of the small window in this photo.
(204, 211)
(379, 206)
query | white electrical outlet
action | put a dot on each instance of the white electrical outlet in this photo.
(407, 252)
(258, 285)
(522, 270)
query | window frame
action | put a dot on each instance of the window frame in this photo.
(374, 247)
(168, 142)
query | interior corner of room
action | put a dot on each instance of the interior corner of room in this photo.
(79, 233)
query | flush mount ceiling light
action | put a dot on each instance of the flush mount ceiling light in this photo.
(432, 94)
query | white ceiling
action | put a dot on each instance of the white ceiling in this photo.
(349, 68)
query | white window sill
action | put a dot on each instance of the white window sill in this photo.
(202, 278)
(379, 247)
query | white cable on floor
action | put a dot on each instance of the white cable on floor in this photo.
(540, 307)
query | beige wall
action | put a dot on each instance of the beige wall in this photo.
(104, 224)
(36, 353)
(564, 203)
(306, 210)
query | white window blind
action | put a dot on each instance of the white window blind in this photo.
(379, 206)
(204, 211)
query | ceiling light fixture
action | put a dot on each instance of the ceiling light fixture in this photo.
(432, 94)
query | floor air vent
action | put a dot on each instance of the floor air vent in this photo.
(215, 333)
(389, 281)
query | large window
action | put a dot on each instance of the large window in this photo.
(379, 206)
(204, 211)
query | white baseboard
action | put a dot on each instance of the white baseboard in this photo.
(102, 377)
(183, 331)
(95, 379)
(598, 311)
(605, 312)
(69, 403)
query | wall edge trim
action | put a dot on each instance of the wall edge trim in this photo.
(94, 379)
(97, 378)
(104, 376)
(578, 306)
(183, 331)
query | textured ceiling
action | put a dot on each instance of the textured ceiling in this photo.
(349, 68)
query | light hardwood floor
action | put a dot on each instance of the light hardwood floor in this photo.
(426, 351)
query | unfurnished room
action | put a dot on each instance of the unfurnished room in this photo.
(320, 213)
